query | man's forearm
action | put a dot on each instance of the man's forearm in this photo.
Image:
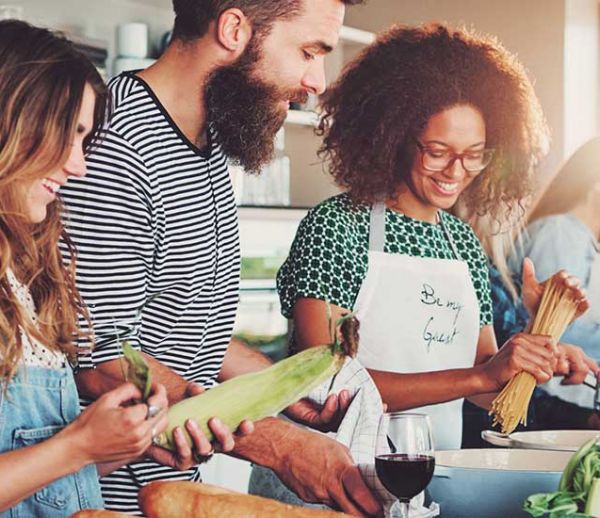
(269, 444)
(241, 359)
(92, 383)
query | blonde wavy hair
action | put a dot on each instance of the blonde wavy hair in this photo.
(43, 78)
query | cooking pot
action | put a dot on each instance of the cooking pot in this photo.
(561, 440)
(493, 483)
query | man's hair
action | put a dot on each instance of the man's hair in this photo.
(192, 17)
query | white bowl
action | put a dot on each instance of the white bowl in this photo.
(493, 483)
(561, 440)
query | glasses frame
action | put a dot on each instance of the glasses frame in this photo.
(454, 157)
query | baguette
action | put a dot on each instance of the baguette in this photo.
(191, 499)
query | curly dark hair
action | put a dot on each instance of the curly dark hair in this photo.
(192, 17)
(385, 98)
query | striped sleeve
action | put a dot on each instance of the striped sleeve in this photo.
(109, 216)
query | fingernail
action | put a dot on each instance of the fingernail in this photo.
(192, 424)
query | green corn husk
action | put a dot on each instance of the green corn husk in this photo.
(257, 395)
(136, 369)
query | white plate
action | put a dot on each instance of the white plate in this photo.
(561, 440)
(504, 460)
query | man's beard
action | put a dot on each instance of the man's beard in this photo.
(247, 112)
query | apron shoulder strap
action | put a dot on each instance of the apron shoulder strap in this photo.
(377, 228)
(448, 236)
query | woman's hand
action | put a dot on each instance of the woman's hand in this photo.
(536, 354)
(201, 450)
(532, 290)
(113, 429)
(326, 417)
(574, 364)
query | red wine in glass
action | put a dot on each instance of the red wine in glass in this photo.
(404, 475)
(404, 457)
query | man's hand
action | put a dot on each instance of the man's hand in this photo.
(320, 469)
(201, 450)
(326, 417)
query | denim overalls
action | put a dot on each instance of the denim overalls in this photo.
(39, 402)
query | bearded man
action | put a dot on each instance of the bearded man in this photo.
(155, 215)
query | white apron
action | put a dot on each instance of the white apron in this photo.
(418, 315)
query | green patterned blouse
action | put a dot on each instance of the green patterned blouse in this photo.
(329, 256)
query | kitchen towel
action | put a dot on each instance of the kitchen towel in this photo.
(357, 431)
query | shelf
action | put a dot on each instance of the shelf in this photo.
(259, 286)
(302, 118)
(271, 213)
(352, 35)
(163, 4)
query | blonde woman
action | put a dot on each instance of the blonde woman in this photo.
(500, 239)
(51, 102)
(563, 231)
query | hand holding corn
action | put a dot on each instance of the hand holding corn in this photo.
(257, 395)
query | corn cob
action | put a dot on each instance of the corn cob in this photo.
(257, 395)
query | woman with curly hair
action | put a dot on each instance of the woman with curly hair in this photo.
(52, 101)
(421, 117)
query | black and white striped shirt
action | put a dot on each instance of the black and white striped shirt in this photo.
(155, 215)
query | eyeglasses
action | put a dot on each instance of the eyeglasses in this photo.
(436, 159)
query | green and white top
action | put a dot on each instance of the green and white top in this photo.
(329, 256)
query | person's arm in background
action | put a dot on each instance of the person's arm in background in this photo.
(559, 243)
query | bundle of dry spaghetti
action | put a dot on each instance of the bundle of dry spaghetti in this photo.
(555, 313)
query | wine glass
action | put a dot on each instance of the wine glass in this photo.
(404, 458)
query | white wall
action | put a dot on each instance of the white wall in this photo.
(581, 72)
(555, 39)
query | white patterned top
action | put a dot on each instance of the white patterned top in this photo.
(35, 354)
